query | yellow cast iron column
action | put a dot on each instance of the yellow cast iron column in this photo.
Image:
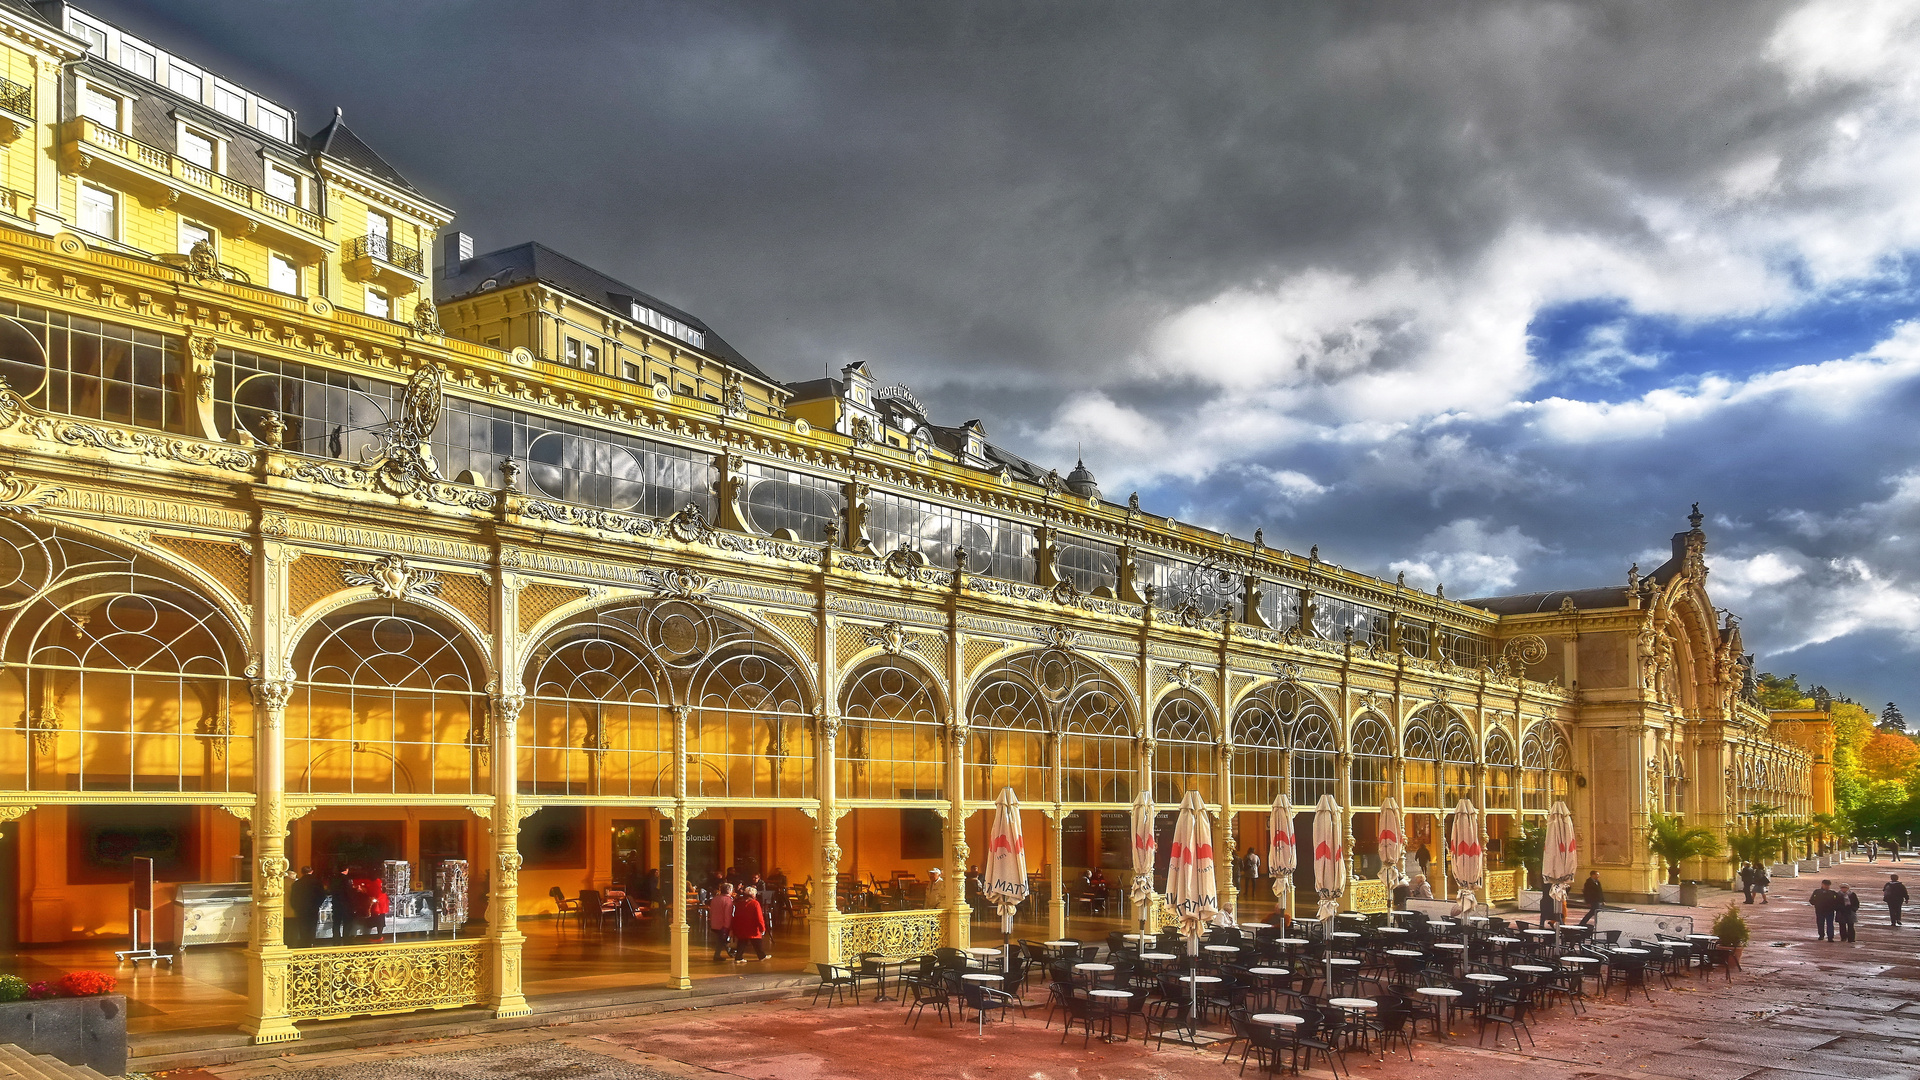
(1057, 910)
(1225, 835)
(1144, 778)
(958, 915)
(679, 969)
(268, 1020)
(824, 916)
(1343, 783)
(505, 996)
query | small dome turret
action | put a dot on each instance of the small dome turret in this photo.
(1081, 482)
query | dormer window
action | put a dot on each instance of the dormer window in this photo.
(230, 101)
(200, 149)
(185, 82)
(137, 60)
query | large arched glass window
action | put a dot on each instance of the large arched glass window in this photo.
(1260, 747)
(600, 718)
(118, 676)
(1372, 755)
(1420, 763)
(388, 700)
(1313, 753)
(1007, 737)
(1560, 767)
(891, 744)
(1533, 770)
(1500, 770)
(1183, 748)
(1099, 740)
(1456, 749)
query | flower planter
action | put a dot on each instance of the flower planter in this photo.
(90, 1031)
(1667, 894)
(1529, 900)
(1809, 866)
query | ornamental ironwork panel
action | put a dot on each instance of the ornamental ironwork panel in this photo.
(362, 980)
(1502, 885)
(889, 933)
(1367, 895)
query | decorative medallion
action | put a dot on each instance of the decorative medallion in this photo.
(891, 637)
(1059, 637)
(689, 525)
(902, 561)
(392, 578)
(1290, 671)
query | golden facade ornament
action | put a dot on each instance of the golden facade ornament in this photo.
(42, 727)
(426, 319)
(392, 578)
(23, 497)
(889, 637)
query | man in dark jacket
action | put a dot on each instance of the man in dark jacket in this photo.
(1595, 895)
(304, 895)
(1825, 903)
(1847, 912)
(341, 890)
(1895, 894)
(1746, 880)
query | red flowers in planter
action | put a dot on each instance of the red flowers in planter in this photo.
(87, 983)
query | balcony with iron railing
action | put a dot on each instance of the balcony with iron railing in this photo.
(16, 98)
(84, 142)
(386, 250)
(379, 260)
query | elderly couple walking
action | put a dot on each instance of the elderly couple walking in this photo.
(737, 922)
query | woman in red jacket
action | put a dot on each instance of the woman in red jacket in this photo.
(749, 926)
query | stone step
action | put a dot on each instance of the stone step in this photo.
(17, 1063)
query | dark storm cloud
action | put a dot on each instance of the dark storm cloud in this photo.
(1273, 263)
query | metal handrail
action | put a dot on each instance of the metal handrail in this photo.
(384, 249)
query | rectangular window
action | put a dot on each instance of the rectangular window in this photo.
(377, 304)
(192, 233)
(494, 341)
(229, 101)
(137, 60)
(632, 371)
(196, 148)
(590, 358)
(282, 184)
(573, 352)
(275, 123)
(99, 211)
(282, 274)
(101, 108)
(185, 83)
(95, 37)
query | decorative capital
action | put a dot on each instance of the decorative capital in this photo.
(272, 694)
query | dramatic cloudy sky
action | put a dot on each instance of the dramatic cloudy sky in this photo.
(1484, 292)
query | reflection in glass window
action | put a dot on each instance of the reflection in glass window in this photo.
(790, 505)
(325, 413)
(1372, 754)
(1279, 605)
(98, 370)
(1333, 617)
(1088, 564)
(1177, 582)
(584, 465)
(995, 548)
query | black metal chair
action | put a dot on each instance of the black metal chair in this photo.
(1510, 1014)
(836, 981)
(928, 994)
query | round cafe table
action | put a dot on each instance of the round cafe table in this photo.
(1346, 935)
(1279, 1019)
(1395, 930)
(1256, 926)
(1112, 999)
(1292, 941)
(981, 977)
(1481, 976)
(1061, 944)
(1533, 969)
(1631, 952)
(1093, 969)
(1504, 940)
(1444, 995)
(1141, 937)
(1450, 946)
(1402, 952)
(1201, 979)
(1269, 971)
(1221, 948)
(1354, 1005)
(1400, 914)
(1158, 956)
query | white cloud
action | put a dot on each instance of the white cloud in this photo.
(1603, 354)
(1736, 580)
(1468, 559)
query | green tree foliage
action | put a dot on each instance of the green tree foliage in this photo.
(1778, 693)
(1759, 844)
(1891, 720)
(1528, 851)
(1673, 842)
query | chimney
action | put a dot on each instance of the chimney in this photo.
(456, 249)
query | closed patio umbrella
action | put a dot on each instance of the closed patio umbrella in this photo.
(1144, 849)
(1283, 855)
(1393, 844)
(1464, 844)
(1561, 860)
(1329, 871)
(1191, 891)
(1005, 877)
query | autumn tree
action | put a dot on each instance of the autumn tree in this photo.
(1888, 756)
(1776, 692)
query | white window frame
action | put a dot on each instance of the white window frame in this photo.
(175, 67)
(221, 86)
(139, 48)
(94, 36)
(182, 129)
(113, 211)
(376, 296)
(270, 166)
(571, 351)
(264, 111)
(213, 235)
(122, 113)
(276, 260)
(589, 357)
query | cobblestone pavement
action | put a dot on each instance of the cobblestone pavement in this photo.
(1800, 1008)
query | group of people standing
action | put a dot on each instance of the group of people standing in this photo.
(358, 903)
(1837, 911)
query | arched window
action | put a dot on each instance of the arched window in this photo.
(117, 676)
(1560, 767)
(1260, 746)
(1313, 753)
(1533, 771)
(1372, 755)
(600, 719)
(1008, 737)
(1456, 748)
(387, 700)
(891, 742)
(1420, 762)
(1099, 766)
(1183, 749)
(1500, 770)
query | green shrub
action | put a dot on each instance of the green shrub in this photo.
(1731, 928)
(12, 988)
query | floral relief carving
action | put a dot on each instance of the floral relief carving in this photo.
(393, 578)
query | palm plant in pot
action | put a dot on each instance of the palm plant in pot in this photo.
(1673, 841)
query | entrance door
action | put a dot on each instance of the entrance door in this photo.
(750, 846)
(703, 853)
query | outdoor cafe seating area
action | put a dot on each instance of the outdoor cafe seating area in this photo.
(1297, 997)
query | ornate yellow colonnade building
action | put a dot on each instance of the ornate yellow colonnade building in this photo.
(568, 592)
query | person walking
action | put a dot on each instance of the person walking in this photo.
(305, 895)
(720, 921)
(1595, 894)
(1873, 851)
(1825, 903)
(1747, 882)
(1761, 881)
(1895, 894)
(1251, 871)
(1847, 912)
(749, 926)
(340, 890)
